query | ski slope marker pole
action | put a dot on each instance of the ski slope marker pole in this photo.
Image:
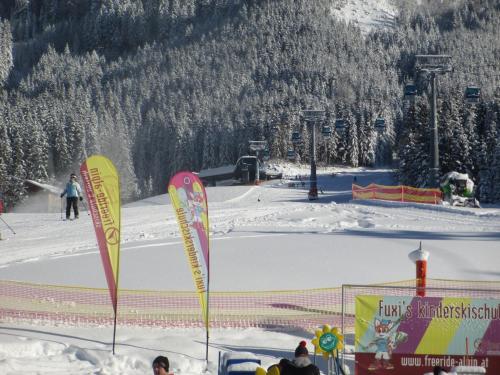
(419, 257)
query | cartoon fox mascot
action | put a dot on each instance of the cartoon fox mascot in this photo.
(384, 343)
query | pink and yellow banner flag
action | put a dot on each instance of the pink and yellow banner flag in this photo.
(189, 200)
(102, 186)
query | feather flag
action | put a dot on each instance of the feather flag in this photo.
(102, 187)
(188, 197)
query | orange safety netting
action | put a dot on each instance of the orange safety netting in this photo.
(306, 309)
(398, 193)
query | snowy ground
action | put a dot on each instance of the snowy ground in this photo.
(368, 15)
(267, 237)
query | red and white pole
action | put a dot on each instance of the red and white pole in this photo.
(419, 257)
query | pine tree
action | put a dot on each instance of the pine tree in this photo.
(5, 161)
(495, 172)
(414, 149)
(352, 141)
(6, 57)
(448, 127)
(168, 84)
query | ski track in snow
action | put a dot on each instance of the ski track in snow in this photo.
(257, 207)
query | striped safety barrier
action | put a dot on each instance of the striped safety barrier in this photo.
(398, 193)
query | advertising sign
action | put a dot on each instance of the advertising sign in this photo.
(411, 335)
(102, 186)
(189, 199)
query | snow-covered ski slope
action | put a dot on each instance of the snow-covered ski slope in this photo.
(250, 224)
(368, 15)
(268, 237)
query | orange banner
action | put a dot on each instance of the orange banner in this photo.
(102, 187)
(398, 193)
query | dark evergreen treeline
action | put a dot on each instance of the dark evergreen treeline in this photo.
(164, 85)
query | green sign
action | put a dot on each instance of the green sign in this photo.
(328, 342)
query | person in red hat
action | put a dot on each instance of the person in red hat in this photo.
(301, 364)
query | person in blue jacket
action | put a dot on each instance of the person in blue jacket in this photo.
(73, 192)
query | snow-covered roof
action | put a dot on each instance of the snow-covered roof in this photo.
(238, 355)
(457, 176)
(243, 367)
(210, 172)
(50, 188)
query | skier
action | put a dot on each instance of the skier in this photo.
(73, 192)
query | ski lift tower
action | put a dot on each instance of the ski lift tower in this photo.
(434, 65)
(257, 146)
(312, 117)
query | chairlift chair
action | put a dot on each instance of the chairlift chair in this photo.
(265, 154)
(296, 137)
(340, 125)
(290, 155)
(472, 94)
(410, 91)
(326, 131)
(380, 124)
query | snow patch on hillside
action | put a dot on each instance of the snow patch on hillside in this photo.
(368, 15)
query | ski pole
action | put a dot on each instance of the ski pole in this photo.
(8, 226)
(85, 206)
(339, 366)
(61, 208)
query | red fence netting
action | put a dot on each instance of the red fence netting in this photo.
(306, 309)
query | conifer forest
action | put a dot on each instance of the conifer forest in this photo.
(160, 86)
